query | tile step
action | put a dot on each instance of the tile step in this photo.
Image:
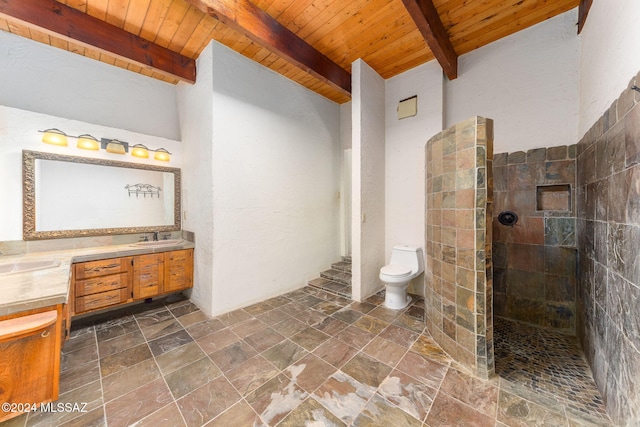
(330, 286)
(346, 258)
(342, 266)
(337, 276)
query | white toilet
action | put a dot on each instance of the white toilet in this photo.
(406, 263)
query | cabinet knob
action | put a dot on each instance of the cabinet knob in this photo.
(45, 333)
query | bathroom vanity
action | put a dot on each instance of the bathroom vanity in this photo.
(43, 291)
(82, 254)
(108, 282)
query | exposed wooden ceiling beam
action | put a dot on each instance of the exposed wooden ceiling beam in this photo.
(72, 25)
(583, 11)
(246, 18)
(426, 17)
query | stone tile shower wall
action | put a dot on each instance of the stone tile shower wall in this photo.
(609, 251)
(458, 260)
(534, 261)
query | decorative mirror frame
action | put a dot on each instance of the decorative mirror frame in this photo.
(29, 198)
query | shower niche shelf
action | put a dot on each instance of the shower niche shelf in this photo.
(553, 197)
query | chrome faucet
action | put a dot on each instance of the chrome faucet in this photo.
(155, 236)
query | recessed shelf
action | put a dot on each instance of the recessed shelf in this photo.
(553, 197)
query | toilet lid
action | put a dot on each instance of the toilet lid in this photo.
(395, 270)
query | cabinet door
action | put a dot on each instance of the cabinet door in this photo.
(178, 270)
(148, 275)
(29, 359)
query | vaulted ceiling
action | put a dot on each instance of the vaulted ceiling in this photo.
(312, 42)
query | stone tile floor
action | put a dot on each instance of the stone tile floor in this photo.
(548, 363)
(305, 358)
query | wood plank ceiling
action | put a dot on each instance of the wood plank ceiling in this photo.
(381, 32)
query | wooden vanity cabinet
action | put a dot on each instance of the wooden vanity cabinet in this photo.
(109, 282)
(30, 345)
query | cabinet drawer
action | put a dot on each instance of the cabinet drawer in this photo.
(103, 299)
(101, 284)
(103, 267)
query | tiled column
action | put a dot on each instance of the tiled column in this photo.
(458, 261)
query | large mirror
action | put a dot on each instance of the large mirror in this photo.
(68, 196)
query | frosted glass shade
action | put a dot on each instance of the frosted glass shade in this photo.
(55, 137)
(140, 150)
(115, 147)
(88, 142)
(162, 155)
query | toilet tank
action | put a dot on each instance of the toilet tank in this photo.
(410, 256)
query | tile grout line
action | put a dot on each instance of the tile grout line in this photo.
(104, 404)
(159, 369)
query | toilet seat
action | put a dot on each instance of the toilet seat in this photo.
(397, 271)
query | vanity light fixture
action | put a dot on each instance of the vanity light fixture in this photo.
(88, 142)
(54, 136)
(162, 155)
(140, 150)
(114, 146)
(110, 145)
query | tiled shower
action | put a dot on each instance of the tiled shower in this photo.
(571, 262)
(557, 258)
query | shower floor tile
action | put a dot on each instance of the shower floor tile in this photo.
(547, 363)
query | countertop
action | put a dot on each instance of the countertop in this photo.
(42, 288)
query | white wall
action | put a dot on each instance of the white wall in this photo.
(609, 56)
(44, 79)
(527, 83)
(275, 162)
(345, 178)
(405, 142)
(368, 192)
(196, 121)
(345, 125)
(19, 131)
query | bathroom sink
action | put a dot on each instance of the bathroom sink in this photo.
(159, 243)
(23, 266)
